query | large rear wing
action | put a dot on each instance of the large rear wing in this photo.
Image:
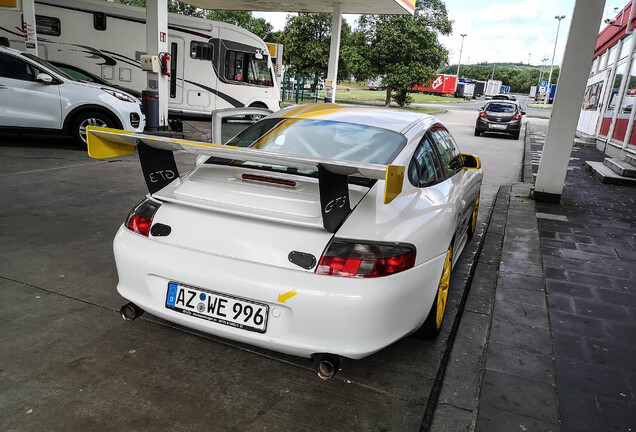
(160, 169)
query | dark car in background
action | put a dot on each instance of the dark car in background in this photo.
(501, 117)
(504, 96)
(83, 75)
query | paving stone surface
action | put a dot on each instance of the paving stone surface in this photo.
(589, 258)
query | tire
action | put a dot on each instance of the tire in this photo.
(473, 219)
(89, 118)
(433, 323)
(477, 132)
(257, 117)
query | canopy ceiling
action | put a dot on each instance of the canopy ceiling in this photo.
(388, 7)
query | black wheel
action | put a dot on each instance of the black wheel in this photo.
(477, 132)
(473, 219)
(89, 118)
(433, 323)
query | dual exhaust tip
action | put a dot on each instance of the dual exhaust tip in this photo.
(130, 312)
(327, 365)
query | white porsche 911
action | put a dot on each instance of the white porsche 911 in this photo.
(319, 231)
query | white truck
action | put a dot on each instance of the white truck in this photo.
(213, 65)
(493, 87)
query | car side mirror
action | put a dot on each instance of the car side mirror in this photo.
(523, 113)
(471, 161)
(44, 78)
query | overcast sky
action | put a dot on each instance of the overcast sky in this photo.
(502, 30)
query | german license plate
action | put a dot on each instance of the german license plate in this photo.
(217, 307)
(496, 126)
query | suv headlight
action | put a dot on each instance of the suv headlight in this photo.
(119, 95)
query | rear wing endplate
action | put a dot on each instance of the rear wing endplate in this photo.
(160, 169)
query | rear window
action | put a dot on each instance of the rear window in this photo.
(323, 138)
(501, 108)
(318, 138)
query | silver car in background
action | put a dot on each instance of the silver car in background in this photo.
(35, 96)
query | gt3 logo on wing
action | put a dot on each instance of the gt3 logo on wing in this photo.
(336, 203)
(161, 175)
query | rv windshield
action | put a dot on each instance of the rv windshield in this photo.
(245, 67)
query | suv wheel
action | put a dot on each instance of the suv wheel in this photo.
(89, 118)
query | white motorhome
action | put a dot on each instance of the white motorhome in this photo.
(214, 65)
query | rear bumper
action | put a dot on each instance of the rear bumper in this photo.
(505, 127)
(344, 316)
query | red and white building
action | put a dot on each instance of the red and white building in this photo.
(607, 112)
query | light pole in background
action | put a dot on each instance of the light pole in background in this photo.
(543, 60)
(529, 59)
(548, 90)
(460, 53)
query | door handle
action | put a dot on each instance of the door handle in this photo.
(3, 87)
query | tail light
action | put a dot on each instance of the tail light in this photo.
(365, 260)
(517, 117)
(140, 217)
(482, 115)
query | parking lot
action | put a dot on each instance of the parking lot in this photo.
(69, 362)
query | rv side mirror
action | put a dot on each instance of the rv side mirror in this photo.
(258, 55)
(44, 78)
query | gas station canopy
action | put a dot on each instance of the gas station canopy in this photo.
(388, 7)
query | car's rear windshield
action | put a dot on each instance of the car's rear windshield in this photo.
(318, 138)
(501, 107)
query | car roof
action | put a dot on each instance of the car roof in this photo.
(392, 119)
(10, 50)
(502, 101)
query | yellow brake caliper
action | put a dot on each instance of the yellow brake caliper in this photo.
(473, 222)
(444, 284)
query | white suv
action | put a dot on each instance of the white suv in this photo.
(38, 97)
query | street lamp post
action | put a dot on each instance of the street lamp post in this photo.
(543, 60)
(547, 93)
(460, 53)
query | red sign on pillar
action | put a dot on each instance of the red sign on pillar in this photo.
(162, 37)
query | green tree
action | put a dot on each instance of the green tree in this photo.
(259, 26)
(404, 49)
(307, 41)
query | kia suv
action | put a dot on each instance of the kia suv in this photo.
(35, 96)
